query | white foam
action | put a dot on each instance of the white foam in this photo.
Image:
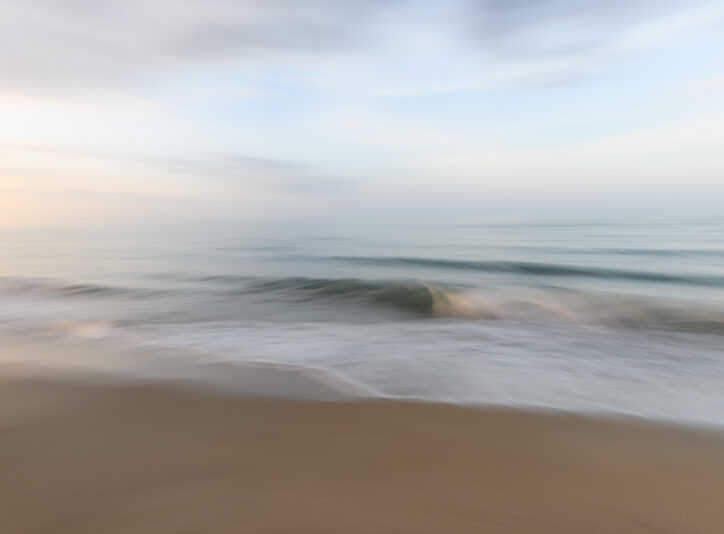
(585, 370)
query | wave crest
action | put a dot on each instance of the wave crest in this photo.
(412, 296)
(530, 304)
(419, 298)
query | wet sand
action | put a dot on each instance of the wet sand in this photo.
(81, 456)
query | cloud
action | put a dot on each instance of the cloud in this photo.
(552, 40)
(85, 43)
(550, 27)
(281, 176)
(680, 154)
(712, 85)
(229, 170)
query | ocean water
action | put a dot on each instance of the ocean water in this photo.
(596, 316)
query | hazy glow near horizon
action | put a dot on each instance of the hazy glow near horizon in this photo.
(220, 109)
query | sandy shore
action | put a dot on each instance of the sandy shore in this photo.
(79, 457)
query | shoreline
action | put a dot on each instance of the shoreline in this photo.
(86, 455)
(100, 361)
(104, 362)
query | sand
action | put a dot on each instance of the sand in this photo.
(80, 456)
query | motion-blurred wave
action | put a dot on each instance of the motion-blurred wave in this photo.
(415, 297)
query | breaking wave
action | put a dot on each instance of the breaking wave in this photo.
(414, 298)
(493, 304)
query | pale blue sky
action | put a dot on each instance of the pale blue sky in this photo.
(193, 110)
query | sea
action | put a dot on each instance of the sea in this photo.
(603, 316)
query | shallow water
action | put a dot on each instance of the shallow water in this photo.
(616, 316)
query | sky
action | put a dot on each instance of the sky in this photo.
(205, 110)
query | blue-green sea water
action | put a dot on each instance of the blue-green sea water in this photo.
(605, 316)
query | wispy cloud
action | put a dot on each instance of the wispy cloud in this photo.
(710, 85)
(280, 176)
(224, 106)
(83, 43)
(540, 41)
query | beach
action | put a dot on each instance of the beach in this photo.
(361, 267)
(519, 379)
(87, 454)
